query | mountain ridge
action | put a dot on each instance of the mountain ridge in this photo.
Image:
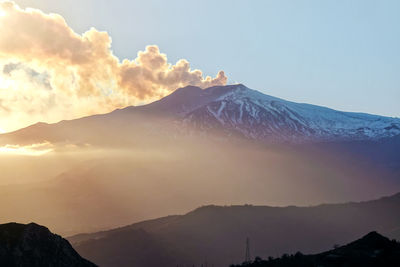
(218, 233)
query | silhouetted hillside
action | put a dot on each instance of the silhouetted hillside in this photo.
(32, 245)
(371, 250)
(217, 234)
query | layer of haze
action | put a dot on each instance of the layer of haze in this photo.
(341, 54)
(103, 172)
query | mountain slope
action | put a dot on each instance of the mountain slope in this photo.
(33, 245)
(217, 234)
(372, 250)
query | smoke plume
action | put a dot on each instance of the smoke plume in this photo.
(48, 72)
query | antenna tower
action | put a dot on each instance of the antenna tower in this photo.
(247, 257)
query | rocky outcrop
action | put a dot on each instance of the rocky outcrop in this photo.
(34, 245)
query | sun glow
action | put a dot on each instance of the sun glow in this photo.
(2, 13)
(30, 150)
(5, 83)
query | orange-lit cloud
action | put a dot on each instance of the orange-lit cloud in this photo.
(48, 72)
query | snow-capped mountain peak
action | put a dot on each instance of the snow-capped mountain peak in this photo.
(238, 109)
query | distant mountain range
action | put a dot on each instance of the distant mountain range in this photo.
(372, 250)
(217, 235)
(32, 245)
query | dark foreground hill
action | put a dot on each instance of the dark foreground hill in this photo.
(32, 245)
(372, 250)
(217, 235)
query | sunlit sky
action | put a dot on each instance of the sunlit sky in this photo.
(341, 54)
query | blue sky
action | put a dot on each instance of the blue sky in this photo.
(340, 54)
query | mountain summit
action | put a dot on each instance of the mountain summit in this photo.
(237, 109)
